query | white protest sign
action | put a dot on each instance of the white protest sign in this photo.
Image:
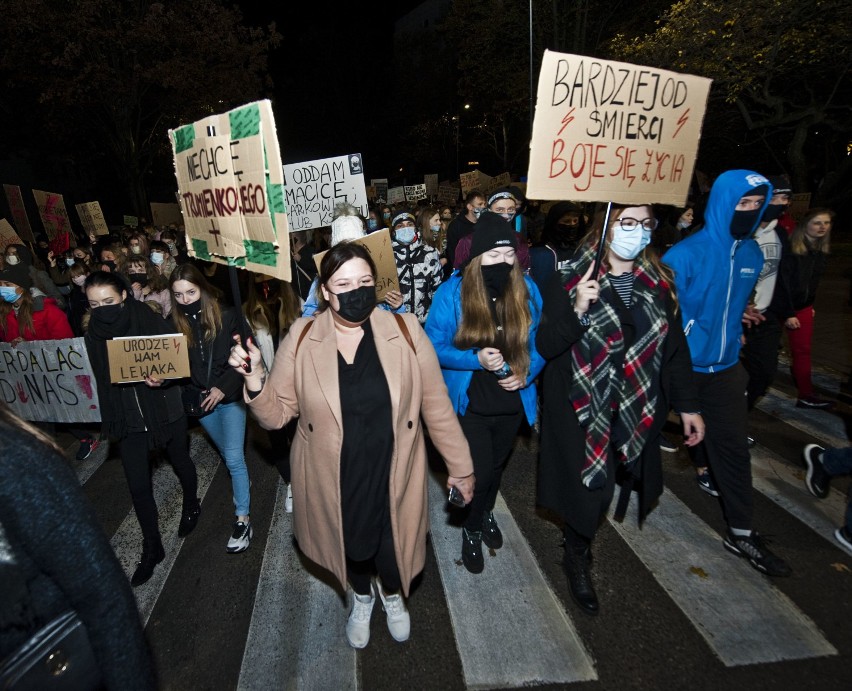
(49, 381)
(614, 131)
(314, 187)
(396, 195)
(228, 169)
(415, 192)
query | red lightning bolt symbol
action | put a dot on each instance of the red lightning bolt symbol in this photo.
(569, 116)
(681, 121)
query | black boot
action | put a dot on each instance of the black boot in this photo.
(189, 519)
(576, 565)
(152, 554)
(492, 537)
(472, 551)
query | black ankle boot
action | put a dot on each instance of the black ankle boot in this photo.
(472, 551)
(576, 565)
(189, 519)
(152, 554)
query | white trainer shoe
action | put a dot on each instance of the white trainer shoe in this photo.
(288, 502)
(399, 621)
(358, 626)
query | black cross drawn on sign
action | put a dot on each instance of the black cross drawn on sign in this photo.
(214, 231)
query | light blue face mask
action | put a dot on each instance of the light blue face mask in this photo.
(9, 294)
(406, 234)
(372, 223)
(435, 229)
(69, 262)
(157, 258)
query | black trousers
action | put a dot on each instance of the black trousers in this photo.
(490, 438)
(383, 563)
(760, 357)
(135, 460)
(725, 449)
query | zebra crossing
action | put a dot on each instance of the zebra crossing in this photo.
(513, 626)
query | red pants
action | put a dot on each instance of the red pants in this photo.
(800, 351)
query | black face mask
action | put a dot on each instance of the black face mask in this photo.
(192, 309)
(496, 276)
(110, 264)
(772, 212)
(107, 314)
(356, 305)
(567, 234)
(141, 279)
(743, 223)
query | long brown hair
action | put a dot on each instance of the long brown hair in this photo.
(799, 243)
(25, 314)
(211, 312)
(259, 312)
(648, 255)
(8, 417)
(477, 328)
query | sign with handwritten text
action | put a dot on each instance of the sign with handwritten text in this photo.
(19, 212)
(132, 358)
(49, 381)
(8, 236)
(92, 218)
(614, 131)
(415, 192)
(380, 247)
(314, 187)
(396, 195)
(54, 215)
(231, 185)
(473, 180)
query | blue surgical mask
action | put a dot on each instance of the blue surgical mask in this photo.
(69, 262)
(9, 294)
(157, 258)
(406, 234)
(372, 223)
(627, 244)
(435, 229)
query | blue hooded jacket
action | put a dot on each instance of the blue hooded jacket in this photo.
(715, 274)
(458, 366)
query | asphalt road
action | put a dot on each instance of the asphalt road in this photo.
(677, 610)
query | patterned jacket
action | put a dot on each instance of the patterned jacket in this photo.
(420, 274)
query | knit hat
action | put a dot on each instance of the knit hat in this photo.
(402, 216)
(490, 231)
(780, 184)
(346, 228)
(502, 193)
(18, 274)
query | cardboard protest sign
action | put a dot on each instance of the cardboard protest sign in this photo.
(49, 381)
(474, 180)
(314, 187)
(92, 218)
(131, 221)
(414, 192)
(613, 131)
(431, 182)
(132, 358)
(165, 214)
(448, 194)
(381, 185)
(495, 183)
(8, 236)
(381, 250)
(19, 212)
(396, 195)
(231, 184)
(54, 215)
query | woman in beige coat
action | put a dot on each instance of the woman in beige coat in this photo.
(359, 379)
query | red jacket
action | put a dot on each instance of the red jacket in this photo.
(50, 323)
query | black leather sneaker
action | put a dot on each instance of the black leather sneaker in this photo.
(491, 535)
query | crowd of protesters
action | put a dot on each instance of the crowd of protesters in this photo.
(588, 325)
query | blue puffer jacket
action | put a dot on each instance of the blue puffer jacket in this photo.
(458, 366)
(715, 274)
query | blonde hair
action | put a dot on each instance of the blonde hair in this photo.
(477, 328)
(799, 242)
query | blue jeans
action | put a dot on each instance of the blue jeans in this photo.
(226, 426)
(839, 462)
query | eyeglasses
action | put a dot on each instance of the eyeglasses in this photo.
(628, 224)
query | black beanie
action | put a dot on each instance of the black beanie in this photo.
(19, 274)
(490, 231)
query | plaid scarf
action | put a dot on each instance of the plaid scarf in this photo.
(616, 406)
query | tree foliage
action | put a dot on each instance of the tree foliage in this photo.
(784, 66)
(107, 78)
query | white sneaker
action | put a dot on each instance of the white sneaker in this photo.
(399, 621)
(240, 537)
(288, 502)
(358, 626)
